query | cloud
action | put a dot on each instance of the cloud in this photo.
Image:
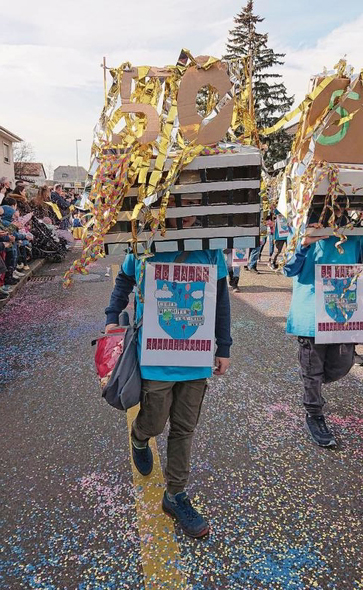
(163, 293)
(197, 294)
(52, 83)
(304, 61)
(328, 287)
(50, 63)
(301, 64)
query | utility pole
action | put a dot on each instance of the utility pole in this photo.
(77, 140)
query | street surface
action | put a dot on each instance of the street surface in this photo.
(284, 513)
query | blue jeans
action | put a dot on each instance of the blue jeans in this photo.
(254, 256)
(235, 269)
(270, 245)
(262, 245)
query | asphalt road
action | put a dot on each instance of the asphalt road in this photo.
(283, 512)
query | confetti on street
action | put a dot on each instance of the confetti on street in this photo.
(284, 513)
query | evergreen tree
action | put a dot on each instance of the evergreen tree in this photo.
(270, 97)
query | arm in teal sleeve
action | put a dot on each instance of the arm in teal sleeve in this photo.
(294, 266)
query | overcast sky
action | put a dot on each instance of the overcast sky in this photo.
(50, 54)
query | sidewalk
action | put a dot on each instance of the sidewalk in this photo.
(34, 267)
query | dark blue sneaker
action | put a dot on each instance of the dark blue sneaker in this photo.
(143, 459)
(192, 523)
(319, 431)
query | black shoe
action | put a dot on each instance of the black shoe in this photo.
(319, 431)
(254, 269)
(246, 267)
(143, 459)
(3, 296)
(11, 281)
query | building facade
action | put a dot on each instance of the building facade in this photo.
(7, 139)
(32, 172)
(70, 176)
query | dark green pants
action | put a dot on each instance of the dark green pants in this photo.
(181, 402)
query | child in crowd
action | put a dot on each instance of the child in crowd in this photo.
(233, 271)
(77, 227)
(319, 363)
(5, 243)
(173, 392)
(16, 256)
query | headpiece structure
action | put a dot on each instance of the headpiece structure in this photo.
(154, 147)
(323, 178)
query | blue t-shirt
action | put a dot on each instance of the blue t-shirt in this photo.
(132, 267)
(301, 317)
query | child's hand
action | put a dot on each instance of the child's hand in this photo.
(221, 364)
(308, 240)
(110, 327)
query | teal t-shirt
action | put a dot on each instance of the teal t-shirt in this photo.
(301, 317)
(132, 267)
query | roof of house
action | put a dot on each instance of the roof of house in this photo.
(29, 169)
(71, 172)
(9, 135)
(291, 129)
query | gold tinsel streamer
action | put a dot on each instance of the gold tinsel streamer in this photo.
(312, 172)
(119, 161)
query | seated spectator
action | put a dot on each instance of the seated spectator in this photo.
(63, 205)
(41, 208)
(19, 194)
(2, 192)
(16, 258)
(5, 181)
(5, 243)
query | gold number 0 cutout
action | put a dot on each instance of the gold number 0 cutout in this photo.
(190, 120)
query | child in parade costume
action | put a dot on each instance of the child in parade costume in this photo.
(279, 242)
(233, 271)
(174, 392)
(319, 363)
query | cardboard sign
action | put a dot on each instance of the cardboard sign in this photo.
(338, 303)
(282, 229)
(190, 120)
(192, 125)
(338, 143)
(239, 256)
(179, 315)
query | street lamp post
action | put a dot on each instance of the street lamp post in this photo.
(77, 140)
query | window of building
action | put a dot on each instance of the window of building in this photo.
(6, 153)
(64, 175)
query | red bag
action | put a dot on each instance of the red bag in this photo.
(109, 348)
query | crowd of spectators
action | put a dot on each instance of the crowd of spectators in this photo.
(34, 223)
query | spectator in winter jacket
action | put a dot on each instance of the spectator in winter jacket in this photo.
(63, 205)
(19, 195)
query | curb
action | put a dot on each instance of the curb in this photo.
(34, 266)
